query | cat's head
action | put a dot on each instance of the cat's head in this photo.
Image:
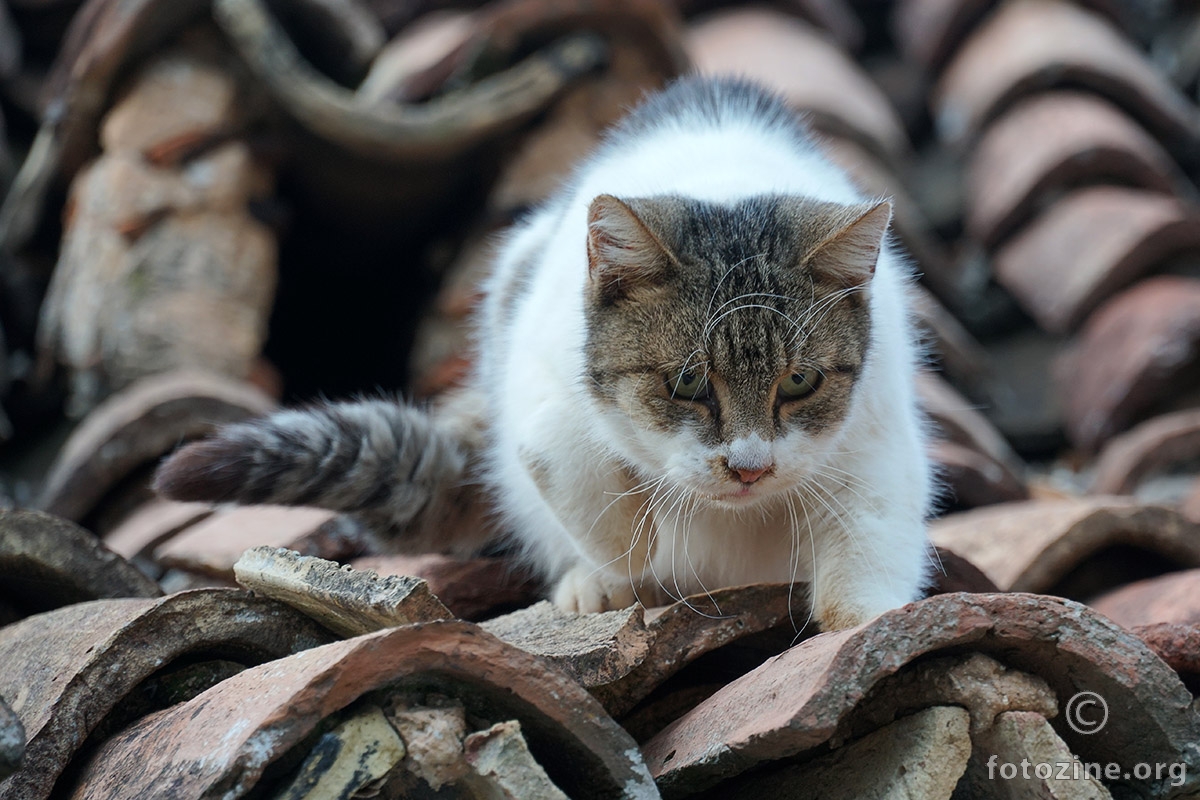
(724, 342)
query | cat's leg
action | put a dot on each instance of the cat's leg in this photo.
(868, 561)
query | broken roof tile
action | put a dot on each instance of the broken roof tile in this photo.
(152, 523)
(348, 601)
(1076, 547)
(1134, 352)
(1173, 598)
(812, 73)
(1050, 141)
(229, 735)
(1090, 243)
(1149, 447)
(1032, 44)
(472, 588)
(137, 426)
(47, 562)
(69, 669)
(213, 545)
(801, 699)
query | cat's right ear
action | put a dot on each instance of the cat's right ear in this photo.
(626, 260)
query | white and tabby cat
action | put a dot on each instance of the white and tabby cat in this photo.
(695, 370)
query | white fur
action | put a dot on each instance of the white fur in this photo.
(860, 537)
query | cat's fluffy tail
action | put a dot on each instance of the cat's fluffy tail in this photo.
(393, 465)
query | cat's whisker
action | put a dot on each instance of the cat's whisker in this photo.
(877, 562)
(726, 274)
(712, 326)
(694, 506)
(813, 583)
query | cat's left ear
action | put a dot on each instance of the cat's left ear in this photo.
(849, 254)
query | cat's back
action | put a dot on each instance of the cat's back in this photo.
(714, 139)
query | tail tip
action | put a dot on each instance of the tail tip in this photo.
(211, 470)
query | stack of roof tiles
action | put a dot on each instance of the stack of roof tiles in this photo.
(216, 166)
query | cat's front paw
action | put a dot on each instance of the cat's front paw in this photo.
(586, 590)
(838, 613)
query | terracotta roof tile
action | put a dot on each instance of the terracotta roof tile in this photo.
(1050, 141)
(229, 735)
(1129, 357)
(1156, 445)
(1044, 545)
(70, 669)
(1089, 244)
(1029, 44)
(1172, 598)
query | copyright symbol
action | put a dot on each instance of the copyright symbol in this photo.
(1086, 712)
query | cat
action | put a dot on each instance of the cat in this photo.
(694, 369)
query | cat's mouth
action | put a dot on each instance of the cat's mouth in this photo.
(740, 496)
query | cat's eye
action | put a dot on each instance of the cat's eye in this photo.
(688, 386)
(799, 385)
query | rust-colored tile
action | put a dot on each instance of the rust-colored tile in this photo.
(1076, 547)
(1178, 644)
(813, 74)
(68, 670)
(151, 524)
(804, 697)
(229, 735)
(1050, 141)
(958, 354)
(213, 545)
(953, 573)
(1032, 44)
(1152, 446)
(472, 588)
(138, 426)
(1088, 245)
(973, 479)
(1132, 354)
(1173, 598)
(418, 47)
(47, 562)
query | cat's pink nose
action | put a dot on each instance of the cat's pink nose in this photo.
(750, 475)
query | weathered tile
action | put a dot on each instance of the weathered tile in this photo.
(920, 755)
(1132, 354)
(345, 600)
(47, 562)
(594, 649)
(1153, 446)
(1032, 44)
(1178, 644)
(812, 73)
(213, 545)
(229, 735)
(800, 699)
(1088, 245)
(929, 31)
(472, 588)
(138, 426)
(500, 756)
(1042, 545)
(150, 524)
(1050, 141)
(1172, 598)
(68, 670)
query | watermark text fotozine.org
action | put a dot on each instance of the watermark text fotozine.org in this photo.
(1086, 713)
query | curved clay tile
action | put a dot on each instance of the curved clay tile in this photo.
(957, 420)
(136, 427)
(151, 524)
(1089, 244)
(929, 31)
(813, 74)
(1173, 598)
(472, 588)
(1034, 44)
(1177, 644)
(227, 737)
(971, 479)
(1152, 446)
(1035, 545)
(810, 696)
(1054, 140)
(104, 663)
(1133, 354)
(47, 562)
